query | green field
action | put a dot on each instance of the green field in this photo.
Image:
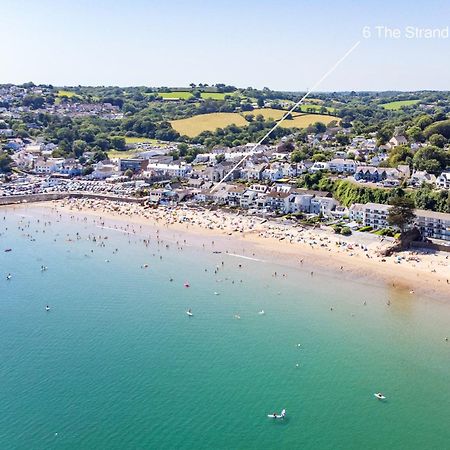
(193, 126)
(121, 154)
(395, 106)
(182, 95)
(309, 106)
(186, 95)
(213, 95)
(142, 140)
(132, 152)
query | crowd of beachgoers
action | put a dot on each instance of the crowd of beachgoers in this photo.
(358, 254)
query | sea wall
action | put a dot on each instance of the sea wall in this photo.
(31, 198)
(430, 246)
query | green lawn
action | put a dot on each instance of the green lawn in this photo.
(395, 106)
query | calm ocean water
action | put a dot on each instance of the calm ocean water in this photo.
(117, 364)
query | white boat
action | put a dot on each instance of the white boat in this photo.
(277, 416)
(261, 313)
(379, 396)
(47, 308)
(189, 313)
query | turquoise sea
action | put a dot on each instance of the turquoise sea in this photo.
(117, 364)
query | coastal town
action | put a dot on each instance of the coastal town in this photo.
(225, 225)
(295, 177)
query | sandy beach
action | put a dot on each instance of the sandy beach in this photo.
(356, 257)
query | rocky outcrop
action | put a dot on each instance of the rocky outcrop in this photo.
(403, 243)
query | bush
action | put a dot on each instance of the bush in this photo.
(345, 231)
(337, 229)
(366, 228)
(386, 232)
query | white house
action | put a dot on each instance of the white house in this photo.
(443, 180)
(172, 170)
(398, 140)
(343, 165)
(103, 170)
(319, 165)
(356, 213)
(419, 177)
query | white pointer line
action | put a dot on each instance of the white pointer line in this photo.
(316, 85)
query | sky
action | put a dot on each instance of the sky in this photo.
(284, 44)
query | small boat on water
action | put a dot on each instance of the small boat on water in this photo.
(277, 416)
(379, 396)
(186, 284)
(261, 313)
(8, 250)
(8, 277)
(47, 308)
(189, 313)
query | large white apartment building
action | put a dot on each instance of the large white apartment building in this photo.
(432, 224)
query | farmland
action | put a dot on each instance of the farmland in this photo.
(213, 95)
(182, 95)
(186, 95)
(141, 140)
(304, 120)
(395, 106)
(193, 126)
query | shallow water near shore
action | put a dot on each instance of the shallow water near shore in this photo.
(117, 363)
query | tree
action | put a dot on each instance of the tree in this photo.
(118, 142)
(319, 127)
(432, 159)
(402, 154)
(424, 121)
(5, 163)
(79, 147)
(438, 140)
(401, 214)
(415, 134)
(319, 157)
(220, 158)
(88, 170)
(128, 173)
(342, 139)
(441, 127)
(182, 149)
